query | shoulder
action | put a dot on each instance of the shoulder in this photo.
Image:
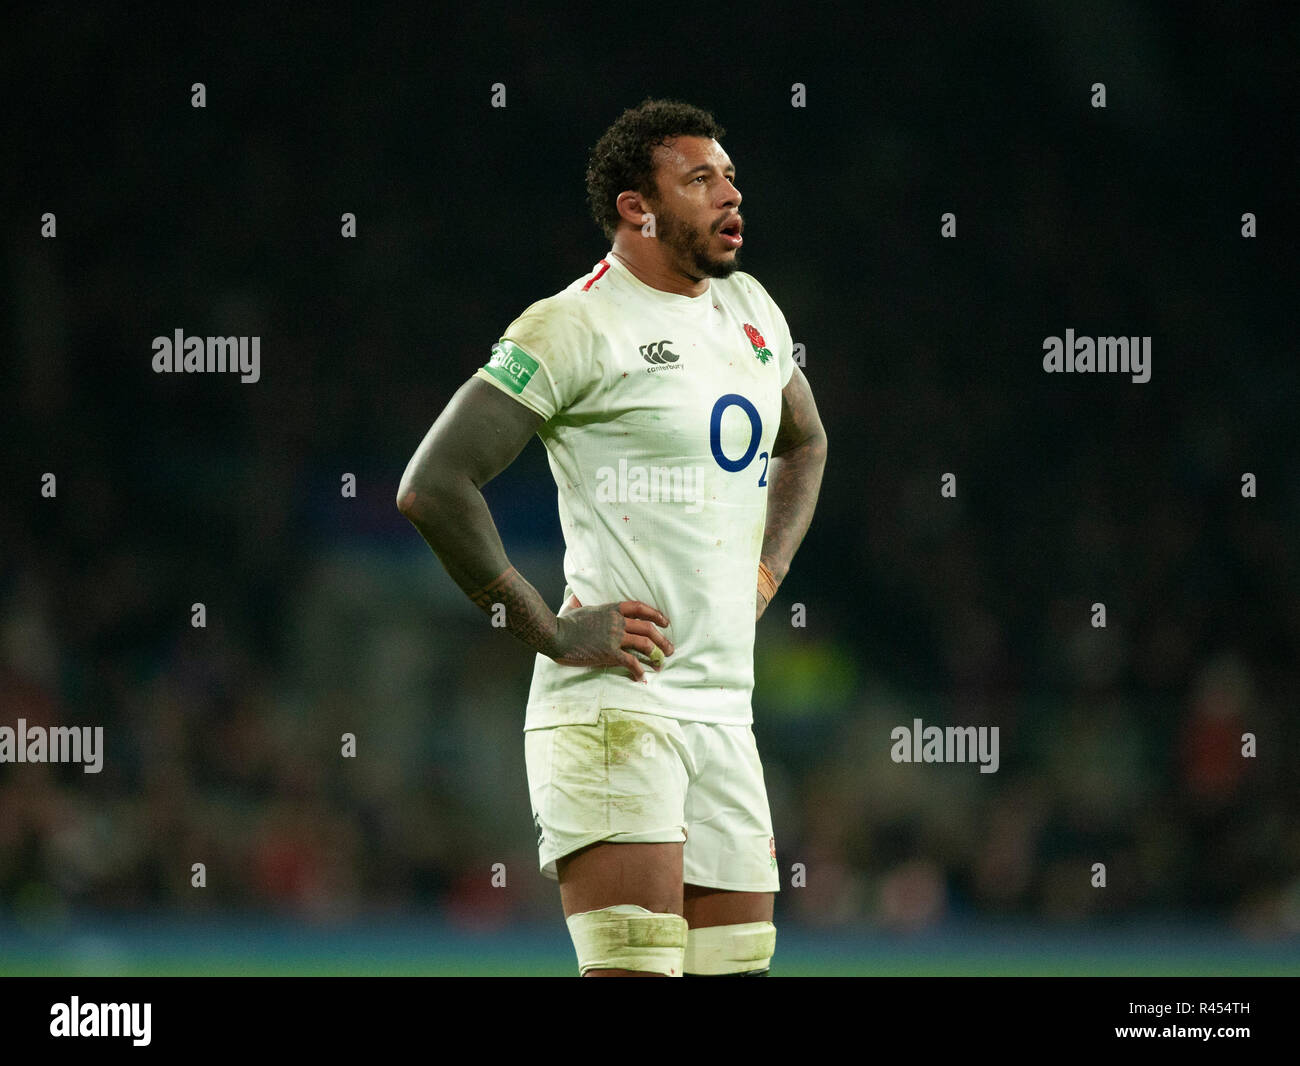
(746, 283)
(748, 290)
(557, 321)
(567, 311)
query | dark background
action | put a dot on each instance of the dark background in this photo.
(329, 615)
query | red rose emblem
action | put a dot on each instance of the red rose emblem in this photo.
(755, 338)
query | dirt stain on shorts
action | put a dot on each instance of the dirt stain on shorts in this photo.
(611, 765)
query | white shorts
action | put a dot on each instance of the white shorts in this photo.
(639, 778)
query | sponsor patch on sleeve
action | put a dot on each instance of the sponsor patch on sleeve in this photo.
(511, 365)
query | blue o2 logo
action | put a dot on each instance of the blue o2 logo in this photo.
(733, 399)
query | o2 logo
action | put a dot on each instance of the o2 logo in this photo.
(732, 399)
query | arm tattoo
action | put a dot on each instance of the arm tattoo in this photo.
(527, 615)
(592, 637)
(799, 456)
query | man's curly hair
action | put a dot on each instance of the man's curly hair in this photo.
(624, 156)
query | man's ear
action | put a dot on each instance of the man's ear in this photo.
(633, 207)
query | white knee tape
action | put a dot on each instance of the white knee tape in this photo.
(719, 949)
(628, 937)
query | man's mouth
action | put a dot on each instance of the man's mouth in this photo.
(730, 233)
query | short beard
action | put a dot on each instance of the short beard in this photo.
(690, 247)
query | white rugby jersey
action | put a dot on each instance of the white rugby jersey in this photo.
(661, 411)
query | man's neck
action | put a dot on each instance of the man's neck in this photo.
(652, 271)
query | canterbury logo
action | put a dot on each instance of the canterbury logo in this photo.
(655, 353)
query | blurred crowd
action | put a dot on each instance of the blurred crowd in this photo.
(326, 615)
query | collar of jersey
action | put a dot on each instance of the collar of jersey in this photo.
(666, 299)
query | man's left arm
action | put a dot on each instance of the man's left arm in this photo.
(794, 479)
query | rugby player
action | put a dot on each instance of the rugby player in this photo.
(687, 454)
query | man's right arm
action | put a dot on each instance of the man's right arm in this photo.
(479, 434)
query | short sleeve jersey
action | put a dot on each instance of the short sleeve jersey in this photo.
(661, 411)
